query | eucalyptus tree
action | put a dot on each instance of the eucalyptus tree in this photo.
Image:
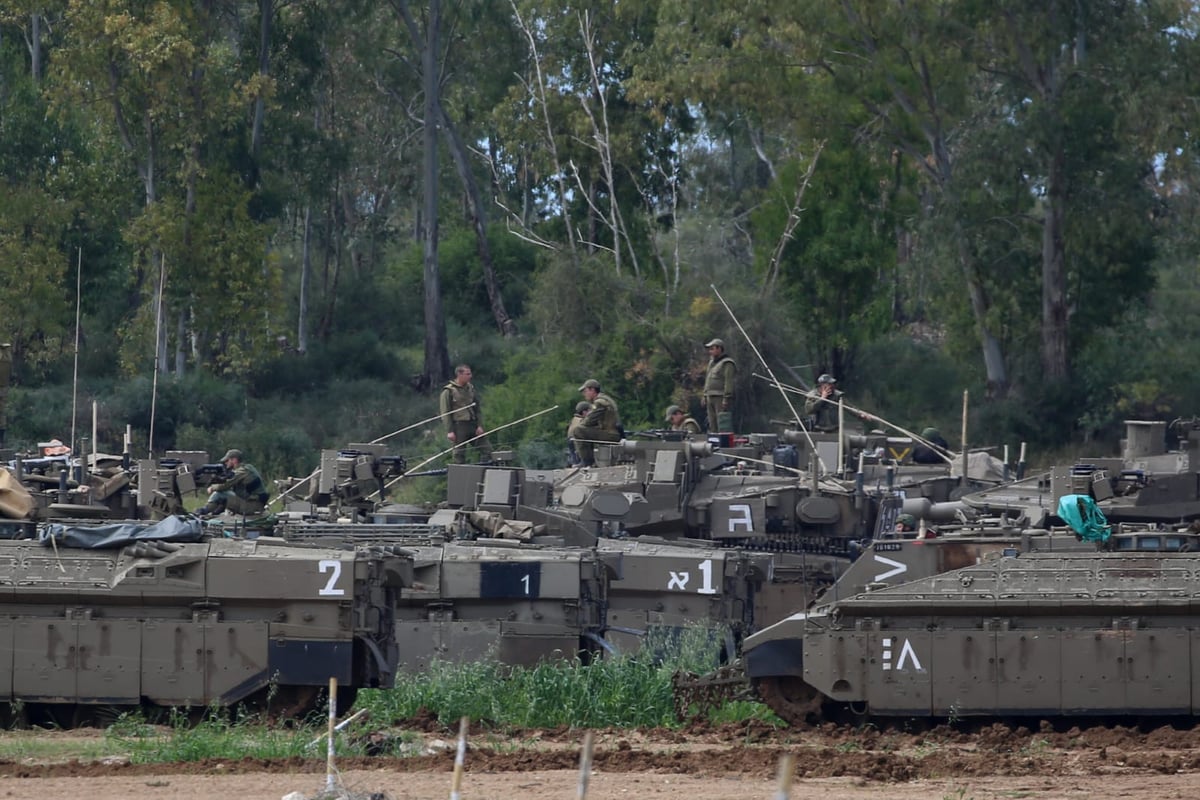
(162, 80)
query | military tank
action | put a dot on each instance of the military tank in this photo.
(165, 616)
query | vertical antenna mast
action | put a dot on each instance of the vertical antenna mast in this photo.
(75, 375)
(162, 279)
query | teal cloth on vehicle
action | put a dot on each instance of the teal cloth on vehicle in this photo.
(1080, 512)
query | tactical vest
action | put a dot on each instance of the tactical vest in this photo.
(252, 486)
(714, 380)
(456, 398)
(607, 419)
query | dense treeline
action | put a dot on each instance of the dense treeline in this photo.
(294, 217)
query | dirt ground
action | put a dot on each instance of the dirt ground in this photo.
(701, 763)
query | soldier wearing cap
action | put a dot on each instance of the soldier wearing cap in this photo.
(460, 410)
(822, 404)
(602, 423)
(679, 421)
(581, 411)
(718, 387)
(243, 493)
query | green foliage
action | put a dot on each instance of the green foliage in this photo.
(220, 734)
(833, 269)
(614, 691)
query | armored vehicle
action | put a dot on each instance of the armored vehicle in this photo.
(129, 614)
(1040, 624)
(1147, 483)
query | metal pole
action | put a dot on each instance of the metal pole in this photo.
(75, 376)
(795, 414)
(329, 768)
(585, 766)
(460, 757)
(162, 278)
(966, 394)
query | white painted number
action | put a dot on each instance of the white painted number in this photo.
(706, 572)
(680, 580)
(907, 654)
(525, 581)
(743, 518)
(330, 590)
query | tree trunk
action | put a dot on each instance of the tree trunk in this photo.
(458, 151)
(437, 356)
(35, 47)
(305, 272)
(993, 355)
(266, 10)
(1054, 273)
(180, 343)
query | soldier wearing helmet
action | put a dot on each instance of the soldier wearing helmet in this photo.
(717, 398)
(822, 404)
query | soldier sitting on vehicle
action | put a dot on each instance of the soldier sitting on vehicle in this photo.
(679, 421)
(602, 423)
(244, 493)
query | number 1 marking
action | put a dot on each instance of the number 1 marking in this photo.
(525, 581)
(706, 587)
(330, 590)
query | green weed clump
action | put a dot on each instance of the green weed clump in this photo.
(218, 735)
(622, 691)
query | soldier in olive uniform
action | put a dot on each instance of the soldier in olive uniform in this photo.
(581, 411)
(680, 421)
(822, 404)
(464, 420)
(244, 492)
(718, 387)
(602, 423)
(5, 376)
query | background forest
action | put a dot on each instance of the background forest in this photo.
(295, 216)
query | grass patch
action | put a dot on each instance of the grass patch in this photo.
(49, 746)
(219, 735)
(622, 691)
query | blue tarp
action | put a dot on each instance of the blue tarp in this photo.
(103, 537)
(1080, 512)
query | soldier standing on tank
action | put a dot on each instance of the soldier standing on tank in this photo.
(602, 423)
(718, 387)
(581, 410)
(244, 492)
(679, 421)
(5, 377)
(464, 420)
(822, 404)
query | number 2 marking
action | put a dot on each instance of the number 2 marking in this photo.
(330, 590)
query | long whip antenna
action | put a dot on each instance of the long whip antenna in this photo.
(162, 279)
(378, 440)
(870, 417)
(75, 373)
(795, 414)
(448, 450)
